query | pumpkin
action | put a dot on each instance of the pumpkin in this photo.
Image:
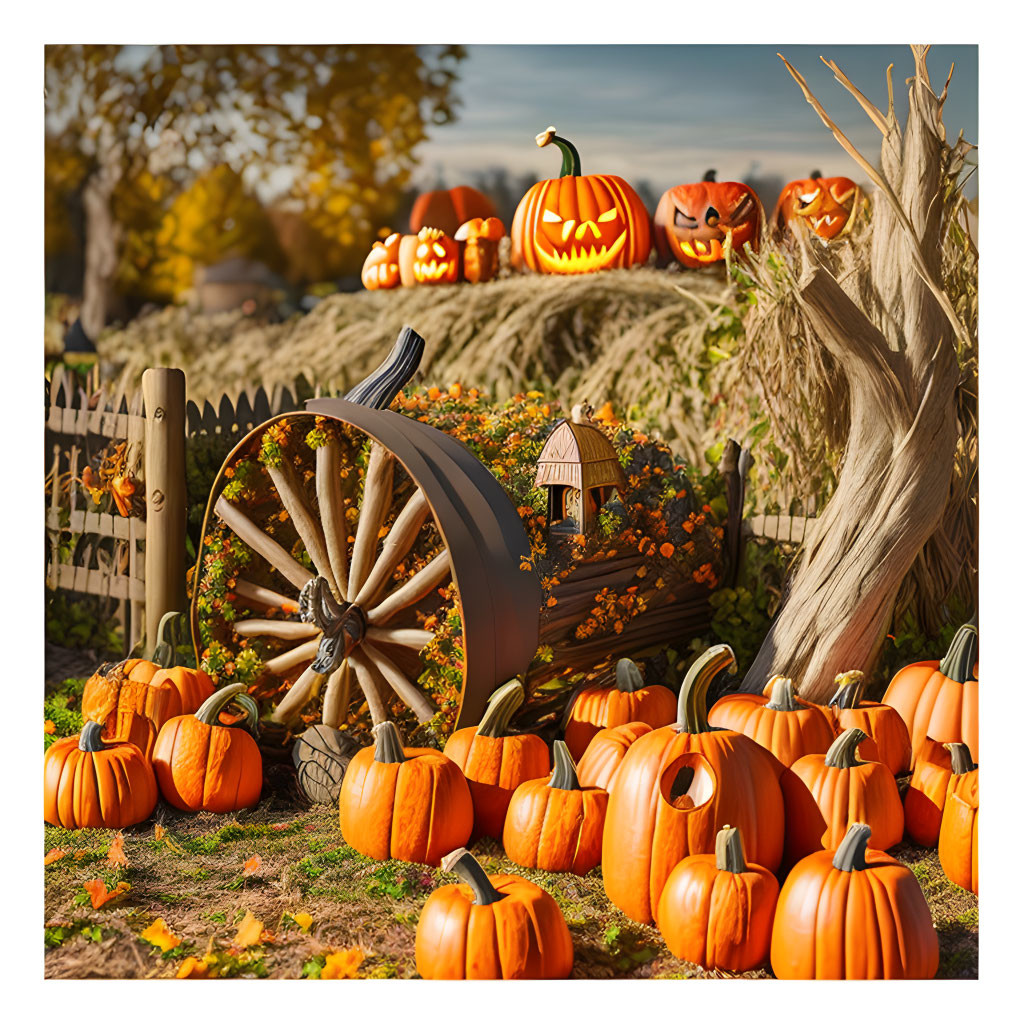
(480, 248)
(886, 738)
(429, 257)
(495, 762)
(823, 793)
(380, 269)
(676, 787)
(578, 223)
(554, 824)
(958, 834)
(785, 725)
(600, 764)
(693, 222)
(826, 206)
(410, 803)
(491, 927)
(321, 755)
(599, 707)
(925, 798)
(203, 765)
(89, 783)
(939, 699)
(716, 910)
(446, 209)
(850, 914)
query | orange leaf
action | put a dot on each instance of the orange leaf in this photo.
(303, 920)
(159, 831)
(116, 855)
(160, 935)
(667, 550)
(252, 865)
(55, 854)
(193, 967)
(250, 931)
(343, 963)
(49, 728)
(99, 894)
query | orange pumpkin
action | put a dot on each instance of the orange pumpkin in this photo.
(601, 707)
(446, 209)
(958, 834)
(823, 793)
(88, 783)
(716, 910)
(409, 803)
(692, 223)
(926, 795)
(939, 699)
(480, 248)
(554, 824)
(380, 269)
(577, 223)
(886, 736)
(826, 206)
(430, 257)
(676, 787)
(491, 927)
(495, 762)
(600, 764)
(203, 765)
(785, 725)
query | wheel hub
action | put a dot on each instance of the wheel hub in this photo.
(343, 624)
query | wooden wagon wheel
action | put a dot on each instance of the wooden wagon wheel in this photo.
(349, 620)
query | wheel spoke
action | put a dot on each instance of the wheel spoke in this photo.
(337, 695)
(415, 639)
(236, 520)
(308, 529)
(282, 629)
(332, 513)
(370, 683)
(264, 596)
(399, 540)
(294, 700)
(418, 702)
(376, 501)
(290, 659)
(416, 587)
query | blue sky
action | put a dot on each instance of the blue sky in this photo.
(668, 113)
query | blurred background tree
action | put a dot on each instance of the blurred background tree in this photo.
(144, 141)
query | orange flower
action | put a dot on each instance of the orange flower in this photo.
(343, 963)
(552, 602)
(49, 728)
(455, 390)
(688, 526)
(667, 550)
(433, 394)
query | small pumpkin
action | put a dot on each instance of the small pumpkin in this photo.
(496, 762)
(480, 240)
(823, 793)
(693, 222)
(380, 269)
(429, 257)
(826, 206)
(958, 834)
(409, 803)
(578, 223)
(716, 910)
(886, 738)
(321, 755)
(602, 707)
(90, 783)
(853, 914)
(939, 699)
(490, 928)
(446, 209)
(926, 795)
(554, 824)
(204, 765)
(600, 764)
(788, 727)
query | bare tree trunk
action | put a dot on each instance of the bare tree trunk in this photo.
(890, 330)
(102, 240)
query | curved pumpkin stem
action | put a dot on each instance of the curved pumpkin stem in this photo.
(501, 706)
(90, 740)
(960, 758)
(388, 748)
(850, 855)
(843, 752)
(564, 774)
(468, 868)
(783, 695)
(710, 175)
(209, 711)
(850, 686)
(163, 652)
(958, 664)
(570, 156)
(692, 709)
(729, 850)
(627, 676)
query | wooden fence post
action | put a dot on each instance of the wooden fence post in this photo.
(163, 392)
(734, 466)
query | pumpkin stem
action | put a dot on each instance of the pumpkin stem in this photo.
(850, 686)
(501, 706)
(468, 868)
(570, 156)
(783, 695)
(388, 748)
(692, 709)
(850, 855)
(815, 174)
(90, 740)
(627, 676)
(163, 652)
(710, 175)
(209, 711)
(729, 850)
(958, 664)
(564, 774)
(843, 752)
(960, 758)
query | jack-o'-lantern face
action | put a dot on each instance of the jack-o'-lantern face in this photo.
(480, 249)
(435, 258)
(693, 222)
(826, 206)
(380, 270)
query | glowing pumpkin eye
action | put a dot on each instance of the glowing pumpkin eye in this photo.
(438, 249)
(422, 250)
(808, 197)
(550, 217)
(607, 216)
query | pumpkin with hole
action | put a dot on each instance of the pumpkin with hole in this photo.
(491, 928)
(828, 207)
(886, 738)
(676, 787)
(555, 824)
(600, 764)
(853, 914)
(716, 910)
(90, 783)
(409, 803)
(204, 765)
(446, 209)
(495, 761)
(601, 707)
(958, 833)
(380, 269)
(925, 797)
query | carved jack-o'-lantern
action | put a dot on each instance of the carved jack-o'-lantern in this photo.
(579, 223)
(827, 206)
(430, 257)
(381, 267)
(692, 222)
(480, 251)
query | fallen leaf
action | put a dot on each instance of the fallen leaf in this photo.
(193, 967)
(343, 963)
(55, 854)
(159, 831)
(252, 865)
(79, 854)
(160, 935)
(250, 931)
(100, 894)
(303, 920)
(116, 855)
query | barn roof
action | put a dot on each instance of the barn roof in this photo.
(579, 455)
